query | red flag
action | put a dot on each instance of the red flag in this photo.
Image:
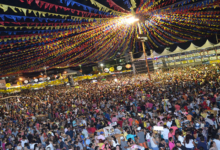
(37, 2)
(51, 6)
(56, 7)
(29, 1)
(46, 5)
(41, 3)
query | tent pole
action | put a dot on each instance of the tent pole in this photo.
(143, 46)
(216, 37)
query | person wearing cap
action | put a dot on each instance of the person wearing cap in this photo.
(140, 135)
(101, 136)
(124, 144)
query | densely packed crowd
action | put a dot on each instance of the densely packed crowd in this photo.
(177, 110)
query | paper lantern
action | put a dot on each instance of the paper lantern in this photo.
(119, 68)
(128, 66)
(19, 83)
(8, 85)
(25, 81)
(112, 69)
(35, 80)
(106, 70)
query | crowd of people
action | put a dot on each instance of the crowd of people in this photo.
(177, 110)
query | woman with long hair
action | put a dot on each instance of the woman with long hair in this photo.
(114, 142)
(189, 143)
(213, 146)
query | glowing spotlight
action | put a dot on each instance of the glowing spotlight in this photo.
(131, 20)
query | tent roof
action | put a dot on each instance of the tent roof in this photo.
(155, 54)
(217, 44)
(178, 50)
(192, 47)
(165, 52)
(206, 45)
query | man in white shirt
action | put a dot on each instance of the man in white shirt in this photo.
(165, 133)
(50, 145)
(216, 108)
(84, 122)
(169, 123)
(85, 133)
(23, 141)
(217, 141)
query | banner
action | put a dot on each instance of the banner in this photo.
(198, 60)
(212, 52)
(183, 56)
(214, 61)
(205, 59)
(191, 61)
(177, 57)
(2, 84)
(213, 58)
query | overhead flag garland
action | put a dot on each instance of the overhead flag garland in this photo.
(38, 33)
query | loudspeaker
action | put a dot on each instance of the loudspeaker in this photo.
(164, 63)
(128, 58)
(70, 77)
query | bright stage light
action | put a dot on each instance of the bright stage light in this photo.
(131, 20)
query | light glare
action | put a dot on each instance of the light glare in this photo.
(131, 20)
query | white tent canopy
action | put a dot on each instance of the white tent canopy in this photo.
(165, 52)
(155, 54)
(206, 45)
(192, 47)
(178, 50)
(217, 44)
